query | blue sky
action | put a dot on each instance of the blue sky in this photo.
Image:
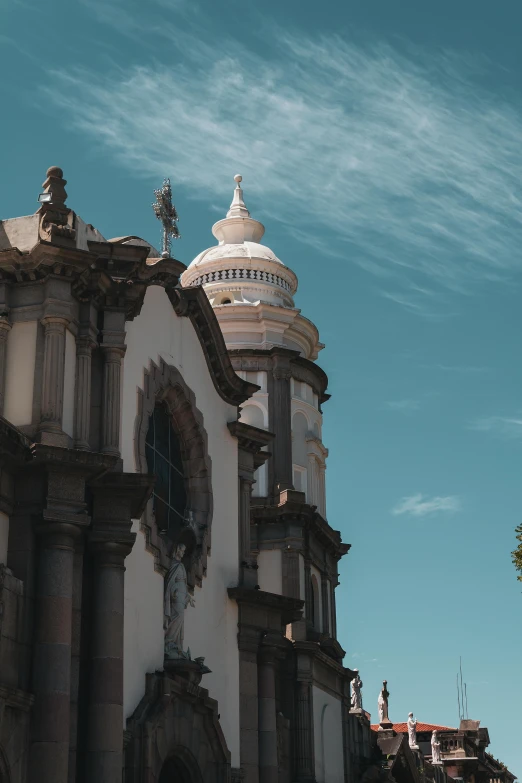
(380, 144)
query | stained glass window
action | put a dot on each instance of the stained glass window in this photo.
(163, 453)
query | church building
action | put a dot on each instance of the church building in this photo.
(167, 569)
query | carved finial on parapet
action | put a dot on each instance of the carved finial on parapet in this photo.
(54, 189)
(57, 222)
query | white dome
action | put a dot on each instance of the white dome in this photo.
(249, 287)
(246, 249)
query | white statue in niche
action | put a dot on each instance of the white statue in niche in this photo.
(356, 693)
(177, 598)
(412, 732)
(435, 749)
(383, 703)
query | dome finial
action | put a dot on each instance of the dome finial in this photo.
(238, 206)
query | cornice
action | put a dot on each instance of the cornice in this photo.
(293, 507)
(193, 304)
(300, 368)
(14, 445)
(290, 608)
(250, 438)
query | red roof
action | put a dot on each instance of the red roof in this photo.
(402, 728)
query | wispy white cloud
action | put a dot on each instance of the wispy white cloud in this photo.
(499, 425)
(464, 369)
(408, 167)
(405, 406)
(420, 506)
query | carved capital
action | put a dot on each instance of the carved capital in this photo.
(5, 328)
(110, 549)
(58, 535)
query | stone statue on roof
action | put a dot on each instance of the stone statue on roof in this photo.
(356, 692)
(383, 703)
(435, 749)
(412, 732)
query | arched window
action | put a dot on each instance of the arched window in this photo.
(164, 460)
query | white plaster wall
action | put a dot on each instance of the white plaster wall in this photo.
(19, 381)
(211, 626)
(69, 383)
(4, 536)
(328, 737)
(270, 572)
(255, 413)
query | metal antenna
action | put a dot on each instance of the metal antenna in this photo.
(458, 695)
(466, 692)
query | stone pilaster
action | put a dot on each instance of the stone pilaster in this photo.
(280, 417)
(112, 359)
(53, 379)
(268, 761)
(304, 733)
(5, 328)
(49, 750)
(82, 414)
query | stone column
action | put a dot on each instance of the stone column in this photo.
(268, 762)
(248, 569)
(291, 586)
(248, 642)
(5, 328)
(105, 735)
(245, 493)
(304, 735)
(325, 604)
(321, 494)
(75, 657)
(309, 598)
(334, 612)
(53, 374)
(82, 414)
(311, 488)
(49, 750)
(280, 417)
(118, 498)
(111, 406)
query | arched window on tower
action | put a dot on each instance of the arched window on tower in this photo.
(164, 460)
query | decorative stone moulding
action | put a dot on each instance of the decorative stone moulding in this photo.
(164, 383)
(241, 274)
